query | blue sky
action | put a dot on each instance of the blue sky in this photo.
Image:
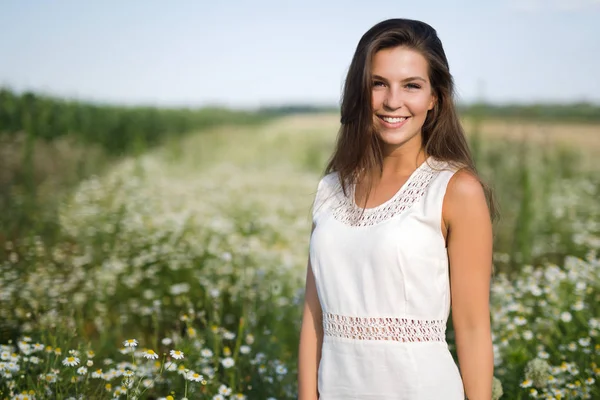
(254, 53)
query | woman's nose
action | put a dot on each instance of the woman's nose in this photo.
(393, 99)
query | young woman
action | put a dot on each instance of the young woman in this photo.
(401, 231)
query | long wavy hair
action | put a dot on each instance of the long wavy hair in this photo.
(358, 148)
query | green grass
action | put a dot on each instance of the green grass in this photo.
(200, 245)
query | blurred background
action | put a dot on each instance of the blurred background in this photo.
(158, 164)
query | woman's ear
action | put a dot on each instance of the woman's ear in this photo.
(432, 102)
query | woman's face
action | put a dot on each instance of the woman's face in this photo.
(401, 95)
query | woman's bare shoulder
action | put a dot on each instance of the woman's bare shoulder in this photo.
(464, 196)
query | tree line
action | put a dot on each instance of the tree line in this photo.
(580, 112)
(118, 129)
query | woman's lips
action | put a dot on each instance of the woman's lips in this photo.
(393, 122)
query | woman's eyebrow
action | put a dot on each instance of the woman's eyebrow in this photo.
(412, 78)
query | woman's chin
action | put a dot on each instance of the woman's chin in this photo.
(396, 137)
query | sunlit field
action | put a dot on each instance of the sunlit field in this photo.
(179, 273)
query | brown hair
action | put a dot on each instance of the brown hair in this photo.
(358, 147)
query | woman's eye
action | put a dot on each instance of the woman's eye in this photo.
(413, 86)
(378, 83)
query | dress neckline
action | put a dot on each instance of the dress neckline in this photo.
(411, 177)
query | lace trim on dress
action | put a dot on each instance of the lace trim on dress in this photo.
(388, 328)
(415, 187)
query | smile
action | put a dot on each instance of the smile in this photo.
(393, 122)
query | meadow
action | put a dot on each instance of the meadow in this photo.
(179, 272)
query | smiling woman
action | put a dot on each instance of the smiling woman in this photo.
(402, 95)
(401, 231)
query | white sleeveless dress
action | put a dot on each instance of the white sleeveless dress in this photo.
(384, 288)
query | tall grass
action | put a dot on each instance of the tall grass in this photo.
(48, 145)
(200, 246)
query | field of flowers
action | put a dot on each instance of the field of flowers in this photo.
(180, 273)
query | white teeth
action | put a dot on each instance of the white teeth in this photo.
(393, 120)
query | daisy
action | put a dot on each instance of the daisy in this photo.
(208, 371)
(150, 354)
(281, 370)
(527, 335)
(171, 367)
(228, 335)
(543, 355)
(176, 354)
(97, 374)
(130, 343)
(526, 383)
(34, 360)
(244, 349)
(224, 390)
(584, 342)
(82, 370)
(119, 391)
(148, 383)
(194, 376)
(206, 353)
(24, 347)
(12, 366)
(71, 361)
(228, 362)
(566, 316)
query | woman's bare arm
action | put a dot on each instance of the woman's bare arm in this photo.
(470, 257)
(311, 339)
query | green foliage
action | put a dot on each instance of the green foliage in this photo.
(119, 130)
(546, 200)
(547, 112)
(50, 144)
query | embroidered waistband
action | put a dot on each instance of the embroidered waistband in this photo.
(387, 328)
